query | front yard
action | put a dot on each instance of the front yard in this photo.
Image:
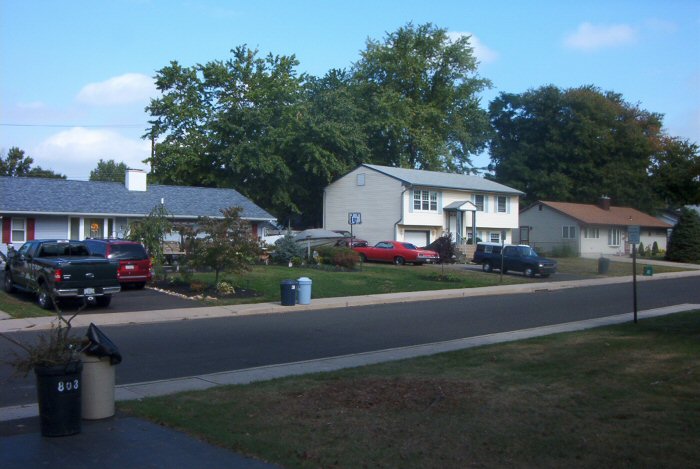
(622, 396)
(262, 283)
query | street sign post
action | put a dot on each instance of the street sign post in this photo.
(354, 218)
(633, 239)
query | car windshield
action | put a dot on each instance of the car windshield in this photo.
(527, 251)
(409, 246)
(128, 251)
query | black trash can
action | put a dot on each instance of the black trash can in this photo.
(288, 289)
(603, 265)
(58, 391)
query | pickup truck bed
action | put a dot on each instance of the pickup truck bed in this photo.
(55, 269)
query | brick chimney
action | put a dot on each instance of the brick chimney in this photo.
(135, 180)
(604, 202)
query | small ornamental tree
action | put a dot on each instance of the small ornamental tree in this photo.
(151, 231)
(640, 250)
(684, 245)
(226, 244)
(655, 249)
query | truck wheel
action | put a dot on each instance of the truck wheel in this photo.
(44, 298)
(7, 284)
(398, 260)
(529, 272)
(487, 267)
(103, 301)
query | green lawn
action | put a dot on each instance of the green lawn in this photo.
(623, 396)
(370, 278)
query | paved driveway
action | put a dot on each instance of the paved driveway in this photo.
(128, 300)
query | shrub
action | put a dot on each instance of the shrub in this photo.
(286, 249)
(225, 288)
(640, 250)
(655, 249)
(444, 247)
(338, 256)
(684, 245)
(564, 250)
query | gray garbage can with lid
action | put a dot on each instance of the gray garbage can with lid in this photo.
(304, 290)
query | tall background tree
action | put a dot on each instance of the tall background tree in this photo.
(419, 90)
(16, 163)
(675, 172)
(279, 137)
(109, 171)
(575, 145)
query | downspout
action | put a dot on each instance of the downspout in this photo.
(396, 225)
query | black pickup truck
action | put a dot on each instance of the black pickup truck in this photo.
(55, 269)
(518, 258)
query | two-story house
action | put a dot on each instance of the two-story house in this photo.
(419, 206)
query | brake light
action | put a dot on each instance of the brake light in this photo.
(58, 275)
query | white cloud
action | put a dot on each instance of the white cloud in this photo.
(483, 53)
(589, 37)
(124, 89)
(75, 152)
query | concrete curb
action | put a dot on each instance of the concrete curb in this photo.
(209, 312)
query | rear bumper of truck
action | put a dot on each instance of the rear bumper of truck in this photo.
(86, 292)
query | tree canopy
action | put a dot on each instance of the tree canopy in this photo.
(575, 145)
(419, 92)
(16, 163)
(110, 171)
(279, 137)
(684, 244)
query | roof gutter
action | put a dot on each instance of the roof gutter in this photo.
(396, 225)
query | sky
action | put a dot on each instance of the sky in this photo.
(76, 76)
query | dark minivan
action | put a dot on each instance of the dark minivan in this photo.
(134, 262)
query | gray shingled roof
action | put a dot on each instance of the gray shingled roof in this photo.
(416, 177)
(60, 196)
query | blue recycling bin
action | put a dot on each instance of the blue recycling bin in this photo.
(288, 290)
(304, 284)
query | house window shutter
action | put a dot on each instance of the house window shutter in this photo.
(31, 223)
(411, 201)
(6, 230)
(439, 200)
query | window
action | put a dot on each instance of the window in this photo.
(425, 201)
(495, 236)
(361, 179)
(19, 230)
(591, 233)
(479, 202)
(568, 232)
(501, 204)
(614, 237)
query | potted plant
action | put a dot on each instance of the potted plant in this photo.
(55, 359)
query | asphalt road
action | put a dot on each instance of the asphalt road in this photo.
(186, 348)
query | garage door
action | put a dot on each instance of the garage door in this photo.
(419, 238)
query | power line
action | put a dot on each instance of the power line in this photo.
(76, 125)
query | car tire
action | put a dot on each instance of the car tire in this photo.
(398, 260)
(7, 284)
(487, 267)
(529, 272)
(44, 298)
(103, 301)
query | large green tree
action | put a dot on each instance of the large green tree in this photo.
(110, 171)
(16, 163)
(574, 145)
(254, 124)
(420, 93)
(675, 172)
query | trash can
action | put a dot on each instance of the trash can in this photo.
(603, 265)
(288, 292)
(58, 392)
(304, 290)
(99, 357)
(648, 270)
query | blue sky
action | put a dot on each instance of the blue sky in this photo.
(76, 75)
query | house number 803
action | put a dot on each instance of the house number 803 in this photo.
(68, 385)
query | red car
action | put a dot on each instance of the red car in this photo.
(134, 262)
(397, 252)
